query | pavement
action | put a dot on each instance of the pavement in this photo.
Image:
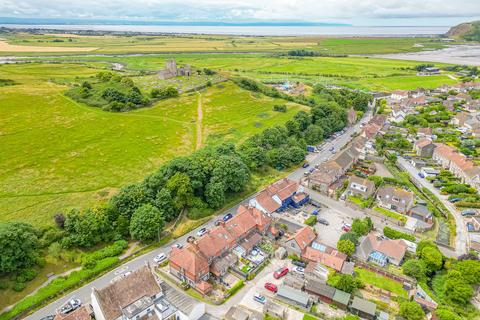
(84, 292)
(461, 239)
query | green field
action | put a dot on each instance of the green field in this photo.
(208, 43)
(57, 154)
(355, 72)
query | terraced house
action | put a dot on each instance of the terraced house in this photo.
(218, 250)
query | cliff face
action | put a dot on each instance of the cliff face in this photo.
(467, 31)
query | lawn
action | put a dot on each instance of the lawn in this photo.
(390, 214)
(379, 281)
(57, 154)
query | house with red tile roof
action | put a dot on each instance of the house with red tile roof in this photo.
(424, 147)
(325, 255)
(300, 240)
(212, 253)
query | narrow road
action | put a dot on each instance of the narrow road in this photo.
(461, 229)
(199, 122)
(84, 292)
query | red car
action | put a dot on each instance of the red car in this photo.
(346, 228)
(271, 287)
(280, 273)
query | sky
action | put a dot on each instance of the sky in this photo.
(356, 12)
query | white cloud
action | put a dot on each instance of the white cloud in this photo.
(306, 10)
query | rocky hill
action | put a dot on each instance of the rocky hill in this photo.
(468, 31)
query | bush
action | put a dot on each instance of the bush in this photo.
(19, 286)
(311, 221)
(280, 108)
(26, 275)
(351, 235)
(394, 234)
(89, 261)
(346, 246)
(237, 286)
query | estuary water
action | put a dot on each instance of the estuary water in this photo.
(249, 30)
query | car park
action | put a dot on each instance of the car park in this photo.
(271, 287)
(259, 298)
(159, 258)
(227, 217)
(299, 263)
(323, 221)
(280, 273)
(201, 232)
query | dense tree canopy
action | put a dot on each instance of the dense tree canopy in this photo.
(147, 223)
(18, 246)
(346, 246)
(411, 310)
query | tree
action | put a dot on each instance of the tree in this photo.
(351, 235)
(415, 268)
(470, 270)
(411, 311)
(313, 134)
(446, 314)
(457, 291)
(180, 189)
(362, 227)
(345, 282)
(130, 199)
(59, 220)
(346, 246)
(18, 246)
(433, 258)
(164, 202)
(215, 194)
(147, 223)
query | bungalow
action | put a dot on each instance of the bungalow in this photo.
(326, 255)
(300, 241)
(381, 250)
(396, 199)
(424, 147)
(363, 308)
(360, 187)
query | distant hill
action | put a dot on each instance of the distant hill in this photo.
(468, 31)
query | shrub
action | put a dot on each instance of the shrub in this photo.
(89, 261)
(280, 108)
(26, 275)
(237, 286)
(346, 246)
(311, 221)
(394, 234)
(19, 286)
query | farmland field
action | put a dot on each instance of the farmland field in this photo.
(58, 154)
(20, 43)
(355, 72)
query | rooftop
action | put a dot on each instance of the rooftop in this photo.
(364, 305)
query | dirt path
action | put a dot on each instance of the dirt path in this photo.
(199, 122)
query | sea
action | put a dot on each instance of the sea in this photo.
(377, 31)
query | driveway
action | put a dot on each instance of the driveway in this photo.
(461, 240)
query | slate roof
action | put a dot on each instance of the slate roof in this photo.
(364, 305)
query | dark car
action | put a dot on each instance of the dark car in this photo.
(323, 221)
(48, 318)
(227, 217)
(305, 165)
(299, 263)
(468, 212)
(453, 200)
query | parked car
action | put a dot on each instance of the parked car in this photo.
(71, 305)
(453, 200)
(315, 212)
(217, 223)
(421, 175)
(323, 221)
(177, 245)
(259, 298)
(331, 149)
(469, 212)
(299, 263)
(280, 273)
(271, 287)
(201, 232)
(305, 165)
(159, 258)
(48, 318)
(227, 217)
(299, 270)
(346, 227)
(311, 170)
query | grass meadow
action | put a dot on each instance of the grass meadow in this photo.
(57, 154)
